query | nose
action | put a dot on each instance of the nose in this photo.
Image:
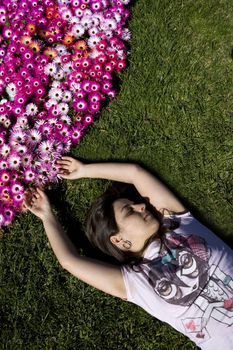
(140, 207)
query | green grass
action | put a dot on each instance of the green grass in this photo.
(173, 115)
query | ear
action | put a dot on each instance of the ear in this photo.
(117, 240)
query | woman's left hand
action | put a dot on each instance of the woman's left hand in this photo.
(38, 203)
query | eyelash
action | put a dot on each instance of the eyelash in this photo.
(130, 211)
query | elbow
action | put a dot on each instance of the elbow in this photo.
(136, 170)
(65, 263)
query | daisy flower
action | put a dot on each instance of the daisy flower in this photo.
(78, 30)
(45, 129)
(80, 105)
(86, 22)
(17, 136)
(109, 24)
(5, 176)
(50, 103)
(11, 91)
(13, 161)
(29, 175)
(18, 199)
(67, 67)
(76, 135)
(63, 108)
(3, 164)
(20, 149)
(31, 109)
(66, 119)
(33, 136)
(26, 159)
(17, 188)
(55, 93)
(67, 96)
(5, 150)
(93, 31)
(93, 41)
(50, 69)
(56, 84)
(59, 75)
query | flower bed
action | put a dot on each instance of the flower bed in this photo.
(57, 63)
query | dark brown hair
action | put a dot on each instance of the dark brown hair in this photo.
(101, 223)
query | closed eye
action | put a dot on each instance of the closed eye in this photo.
(129, 212)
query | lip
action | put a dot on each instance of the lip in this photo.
(146, 216)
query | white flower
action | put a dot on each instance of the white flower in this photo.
(55, 93)
(125, 2)
(11, 90)
(126, 34)
(66, 119)
(52, 121)
(63, 108)
(108, 34)
(98, 16)
(46, 146)
(17, 136)
(67, 146)
(34, 136)
(57, 61)
(66, 15)
(110, 24)
(87, 12)
(74, 20)
(51, 102)
(5, 150)
(79, 13)
(56, 84)
(61, 50)
(17, 188)
(86, 22)
(7, 123)
(117, 17)
(67, 96)
(4, 100)
(21, 149)
(50, 69)
(31, 109)
(67, 68)
(13, 161)
(93, 41)
(59, 75)
(94, 53)
(93, 31)
(78, 30)
(120, 54)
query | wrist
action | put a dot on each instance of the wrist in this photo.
(48, 217)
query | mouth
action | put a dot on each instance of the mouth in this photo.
(146, 216)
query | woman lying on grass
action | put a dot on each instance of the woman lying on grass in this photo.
(171, 265)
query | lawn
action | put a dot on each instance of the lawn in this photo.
(173, 115)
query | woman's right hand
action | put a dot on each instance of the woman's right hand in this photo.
(70, 168)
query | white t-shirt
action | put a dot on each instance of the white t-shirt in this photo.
(188, 284)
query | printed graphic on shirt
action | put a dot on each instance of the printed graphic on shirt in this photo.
(181, 275)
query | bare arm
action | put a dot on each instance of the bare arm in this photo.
(103, 276)
(146, 184)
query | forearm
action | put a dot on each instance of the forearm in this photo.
(122, 172)
(59, 241)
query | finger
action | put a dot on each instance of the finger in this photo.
(41, 192)
(36, 195)
(67, 158)
(64, 168)
(63, 162)
(63, 176)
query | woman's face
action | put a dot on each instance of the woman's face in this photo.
(136, 224)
